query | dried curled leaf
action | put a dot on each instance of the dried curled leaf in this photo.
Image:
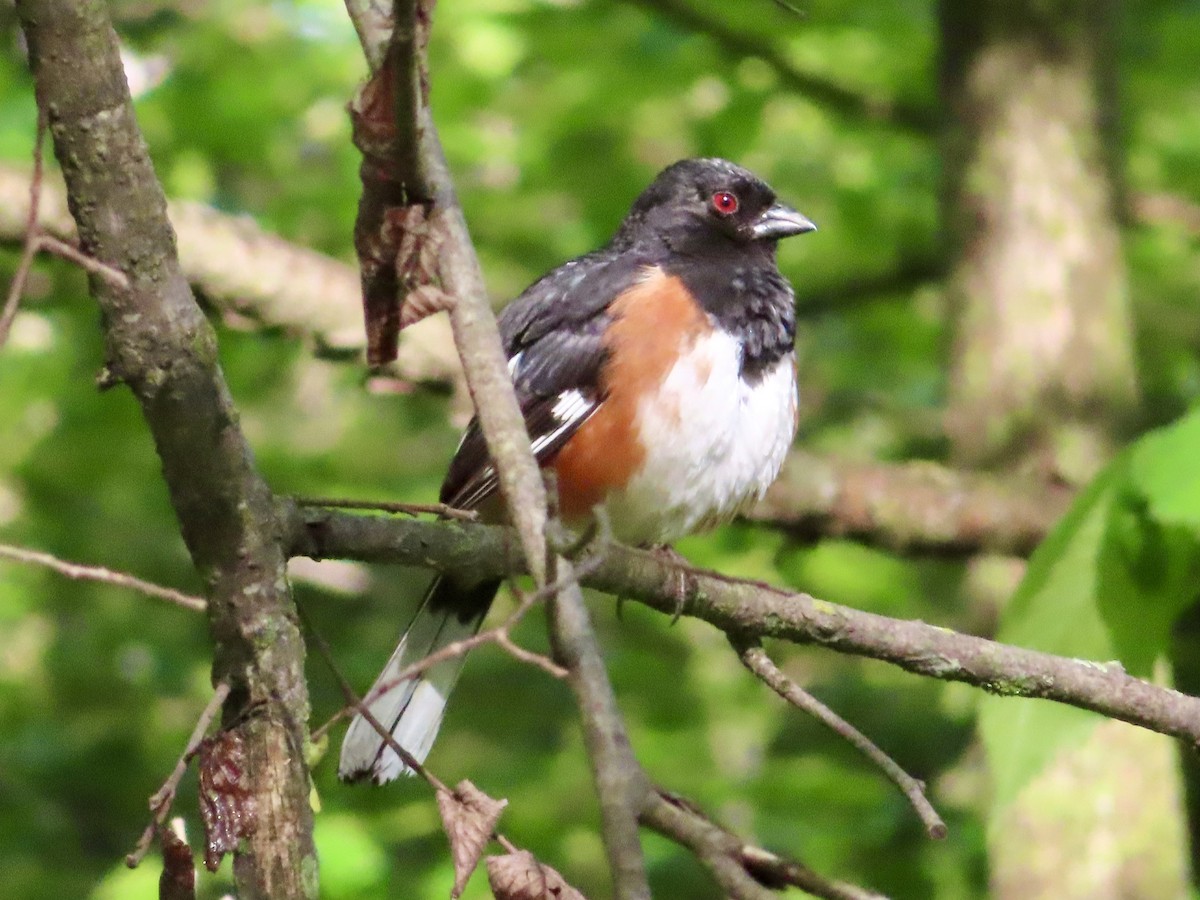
(420, 237)
(178, 878)
(519, 876)
(469, 816)
(422, 302)
(373, 118)
(227, 805)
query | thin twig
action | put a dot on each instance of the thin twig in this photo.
(544, 663)
(500, 634)
(36, 240)
(32, 232)
(408, 509)
(756, 660)
(321, 730)
(115, 277)
(354, 702)
(102, 575)
(160, 802)
(743, 871)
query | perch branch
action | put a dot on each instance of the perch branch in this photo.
(441, 510)
(759, 611)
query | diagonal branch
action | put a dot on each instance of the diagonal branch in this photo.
(744, 871)
(756, 660)
(404, 167)
(621, 785)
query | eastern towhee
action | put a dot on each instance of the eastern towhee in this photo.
(657, 377)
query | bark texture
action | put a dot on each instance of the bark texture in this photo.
(1042, 364)
(159, 344)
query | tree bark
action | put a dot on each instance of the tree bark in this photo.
(1042, 365)
(159, 344)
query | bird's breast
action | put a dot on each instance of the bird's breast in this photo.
(711, 441)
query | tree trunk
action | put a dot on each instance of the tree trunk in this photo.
(1042, 364)
(160, 345)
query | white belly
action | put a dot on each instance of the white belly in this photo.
(713, 444)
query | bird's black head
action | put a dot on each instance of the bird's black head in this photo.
(698, 202)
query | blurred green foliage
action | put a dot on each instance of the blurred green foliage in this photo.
(554, 114)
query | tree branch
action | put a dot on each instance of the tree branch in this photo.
(404, 168)
(916, 507)
(159, 343)
(759, 610)
(756, 660)
(104, 576)
(621, 785)
(245, 272)
(745, 872)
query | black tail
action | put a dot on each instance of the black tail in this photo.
(412, 708)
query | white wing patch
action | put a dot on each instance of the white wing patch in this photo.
(569, 410)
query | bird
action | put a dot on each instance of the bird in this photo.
(657, 378)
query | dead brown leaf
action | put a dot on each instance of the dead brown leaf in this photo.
(469, 816)
(519, 876)
(178, 878)
(227, 805)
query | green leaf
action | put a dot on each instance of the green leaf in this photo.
(1164, 469)
(1109, 582)
(1150, 558)
(1054, 610)
(1149, 573)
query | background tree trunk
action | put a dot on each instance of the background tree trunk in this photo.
(1042, 375)
(1042, 364)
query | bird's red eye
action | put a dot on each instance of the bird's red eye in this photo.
(725, 203)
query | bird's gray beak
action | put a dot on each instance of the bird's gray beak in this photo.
(780, 221)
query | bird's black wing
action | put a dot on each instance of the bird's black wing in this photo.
(553, 335)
